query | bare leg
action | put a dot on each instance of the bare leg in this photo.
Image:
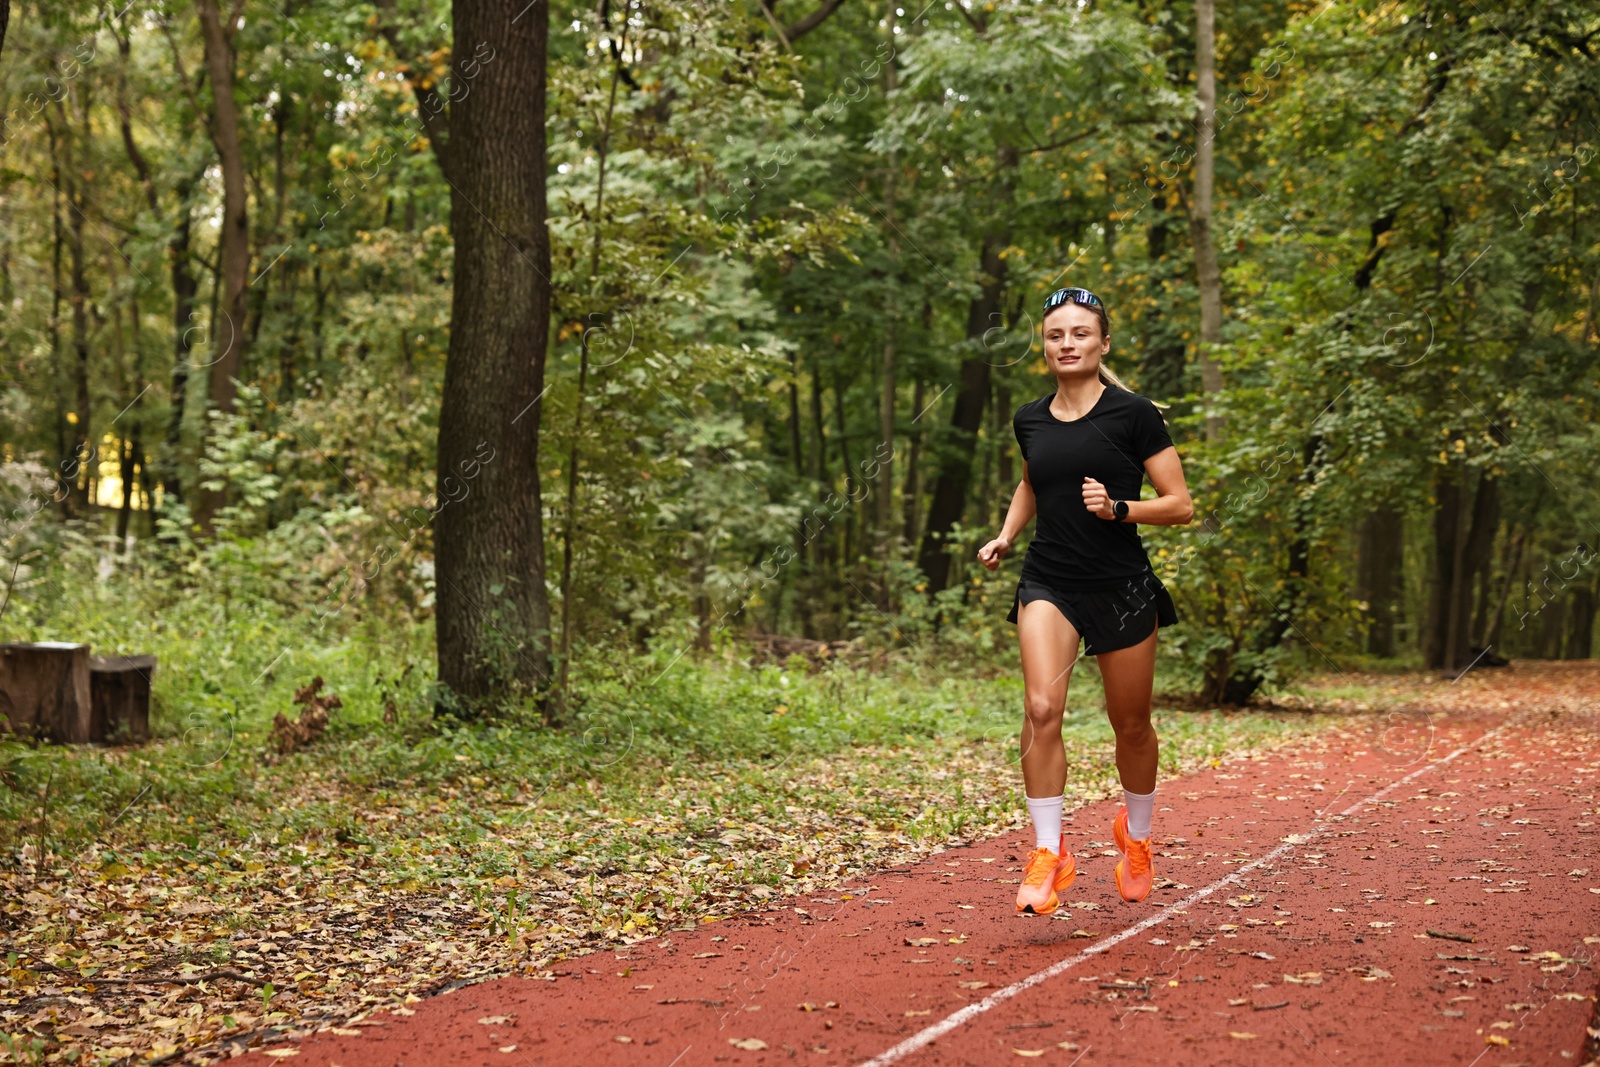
(1049, 649)
(1129, 676)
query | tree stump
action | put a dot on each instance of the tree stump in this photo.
(44, 690)
(119, 689)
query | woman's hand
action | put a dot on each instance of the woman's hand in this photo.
(1096, 499)
(992, 553)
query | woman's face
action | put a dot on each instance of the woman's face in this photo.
(1073, 343)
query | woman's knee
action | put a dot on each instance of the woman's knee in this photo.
(1135, 731)
(1044, 710)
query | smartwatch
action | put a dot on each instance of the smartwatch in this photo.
(1119, 508)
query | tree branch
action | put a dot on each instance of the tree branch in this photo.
(777, 27)
(977, 22)
(813, 20)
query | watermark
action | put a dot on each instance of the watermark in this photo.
(1579, 558)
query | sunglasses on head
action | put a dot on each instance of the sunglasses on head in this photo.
(1074, 296)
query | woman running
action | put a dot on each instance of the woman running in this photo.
(1086, 450)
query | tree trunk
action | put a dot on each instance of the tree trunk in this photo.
(1580, 623)
(1205, 253)
(1461, 550)
(912, 489)
(67, 464)
(493, 616)
(1447, 493)
(796, 448)
(185, 290)
(1476, 554)
(228, 335)
(1379, 574)
(891, 81)
(83, 442)
(956, 451)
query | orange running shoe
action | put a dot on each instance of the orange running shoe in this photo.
(1046, 874)
(1133, 874)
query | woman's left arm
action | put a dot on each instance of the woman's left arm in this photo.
(1172, 508)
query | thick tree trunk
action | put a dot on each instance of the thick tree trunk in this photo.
(1205, 252)
(972, 393)
(1378, 576)
(493, 617)
(228, 336)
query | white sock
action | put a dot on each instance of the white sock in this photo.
(1046, 812)
(1140, 808)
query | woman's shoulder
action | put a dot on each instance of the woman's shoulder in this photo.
(1128, 400)
(1032, 408)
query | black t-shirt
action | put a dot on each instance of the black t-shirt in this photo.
(1072, 548)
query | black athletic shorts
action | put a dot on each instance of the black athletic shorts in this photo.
(1107, 619)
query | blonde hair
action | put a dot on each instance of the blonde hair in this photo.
(1109, 377)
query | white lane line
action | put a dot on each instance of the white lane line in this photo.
(1000, 996)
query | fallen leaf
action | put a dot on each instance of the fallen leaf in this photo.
(974, 985)
(1030, 1052)
(1242, 1035)
(625, 1039)
(1306, 978)
(508, 1048)
(1239, 1002)
(496, 1020)
(926, 1011)
(1572, 996)
(916, 941)
(1496, 1039)
(1379, 926)
(749, 1044)
(704, 955)
(344, 1031)
(281, 1052)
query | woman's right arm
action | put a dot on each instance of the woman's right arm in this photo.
(1018, 516)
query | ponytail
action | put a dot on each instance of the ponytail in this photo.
(1109, 377)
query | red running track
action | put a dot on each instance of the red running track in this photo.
(1297, 920)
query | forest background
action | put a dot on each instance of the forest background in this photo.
(606, 401)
